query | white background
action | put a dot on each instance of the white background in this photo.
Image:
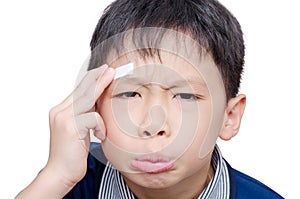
(44, 43)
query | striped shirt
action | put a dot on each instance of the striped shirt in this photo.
(113, 185)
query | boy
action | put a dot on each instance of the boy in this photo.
(158, 122)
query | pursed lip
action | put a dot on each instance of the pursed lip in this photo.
(152, 164)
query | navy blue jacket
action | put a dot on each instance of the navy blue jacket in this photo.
(241, 185)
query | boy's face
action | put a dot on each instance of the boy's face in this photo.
(163, 119)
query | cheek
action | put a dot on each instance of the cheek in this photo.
(201, 136)
(107, 114)
(113, 116)
(132, 109)
(205, 118)
(199, 122)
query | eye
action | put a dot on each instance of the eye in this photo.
(187, 96)
(130, 94)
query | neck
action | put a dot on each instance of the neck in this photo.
(190, 187)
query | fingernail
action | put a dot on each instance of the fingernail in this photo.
(102, 67)
(99, 134)
(109, 70)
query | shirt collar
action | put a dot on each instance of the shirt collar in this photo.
(113, 185)
(219, 185)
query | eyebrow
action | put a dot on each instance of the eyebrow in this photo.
(190, 80)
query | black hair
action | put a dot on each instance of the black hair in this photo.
(206, 21)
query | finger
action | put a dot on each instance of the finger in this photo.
(101, 132)
(61, 106)
(90, 78)
(87, 80)
(87, 100)
(87, 121)
(87, 103)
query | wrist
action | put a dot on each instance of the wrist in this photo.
(48, 184)
(55, 181)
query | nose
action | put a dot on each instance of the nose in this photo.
(154, 123)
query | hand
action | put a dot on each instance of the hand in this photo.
(70, 123)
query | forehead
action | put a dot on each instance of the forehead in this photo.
(151, 44)
(157, 46)
(173, 50)
(165, 67)
(168, 70)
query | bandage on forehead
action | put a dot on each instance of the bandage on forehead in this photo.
(124, 70)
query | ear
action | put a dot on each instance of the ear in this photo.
(233, 116)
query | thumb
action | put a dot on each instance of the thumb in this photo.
(90, 121)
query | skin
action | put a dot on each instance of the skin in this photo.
(69, 142)
(180, 180)
(71, 120)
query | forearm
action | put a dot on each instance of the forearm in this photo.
(46, 185)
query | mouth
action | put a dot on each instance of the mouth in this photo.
(152, 164)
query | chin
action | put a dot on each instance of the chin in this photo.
(160, 180)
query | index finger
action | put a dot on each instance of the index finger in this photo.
(86, 97)
(84, 83)
(89, 79)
